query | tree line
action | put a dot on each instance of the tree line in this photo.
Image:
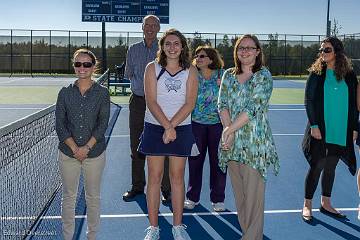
(282, 57)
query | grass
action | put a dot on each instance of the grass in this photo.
(48, 95)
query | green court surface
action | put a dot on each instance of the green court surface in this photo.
(48, 95)
(28, 94)
(287, 96)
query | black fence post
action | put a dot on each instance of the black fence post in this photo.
(270, 53)
(31, 53)
(87, 39)
(104, 63)
(50, 70)
(301, 54)
(215, 41)
(69, 55)
(285, 65)
(11, 53)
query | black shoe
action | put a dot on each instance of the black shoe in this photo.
(306, 219)
(131, 194)
(166, 197)
(331, 214)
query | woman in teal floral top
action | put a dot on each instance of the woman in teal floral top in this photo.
(247, 145)
(207, 129)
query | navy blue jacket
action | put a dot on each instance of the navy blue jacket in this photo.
(314, 104)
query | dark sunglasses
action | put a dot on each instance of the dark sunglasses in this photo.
(84, 64)
(325, 50)
(200, 56)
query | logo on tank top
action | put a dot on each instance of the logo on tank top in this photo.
(172, 84)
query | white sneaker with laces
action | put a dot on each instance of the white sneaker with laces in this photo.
(218, 207)
(152, 233)
(188, 204)
(179, 232)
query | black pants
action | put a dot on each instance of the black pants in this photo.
(207, 138)
(137, 107)
(327, 166)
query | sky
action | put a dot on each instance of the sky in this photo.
(189, 16)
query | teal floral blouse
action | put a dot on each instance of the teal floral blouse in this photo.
(254, 144)
(206, 110)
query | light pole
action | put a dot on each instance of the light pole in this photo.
(328, 23)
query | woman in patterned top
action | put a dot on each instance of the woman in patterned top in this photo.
(207, 128)
(247, 145)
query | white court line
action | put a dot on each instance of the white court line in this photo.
(21, 108)
(141, 215)
(288, 134)
(274, 134)
(120, 136)
(12, 80)
(270, 109)
(286, 109)
(272, 105)
(287, 104)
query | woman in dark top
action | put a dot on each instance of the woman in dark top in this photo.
(330, 101)
(82, 115)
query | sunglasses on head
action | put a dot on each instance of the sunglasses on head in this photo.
(325, 50)
(84, 64)
(200, 56)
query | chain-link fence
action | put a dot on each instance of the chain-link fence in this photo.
(50, 51)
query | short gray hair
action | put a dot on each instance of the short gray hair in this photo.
(151, 16)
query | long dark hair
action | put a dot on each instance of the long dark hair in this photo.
(342, 62)
(259, 61)
(184, 58)
(213, 54)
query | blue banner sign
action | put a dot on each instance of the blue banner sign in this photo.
(131, 11)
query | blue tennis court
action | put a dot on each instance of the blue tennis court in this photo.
(284, 195)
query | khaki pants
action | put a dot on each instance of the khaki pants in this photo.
(249, 191)
(70, 173)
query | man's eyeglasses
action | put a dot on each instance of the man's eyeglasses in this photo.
(325, 50)
(84, 64)
(246, 49)
(200, 56)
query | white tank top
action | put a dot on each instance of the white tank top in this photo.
(171, 94)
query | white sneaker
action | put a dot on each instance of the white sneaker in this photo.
(359, 212)
(218, 207)
(179, 232)
(188, 204)
(152, 233)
